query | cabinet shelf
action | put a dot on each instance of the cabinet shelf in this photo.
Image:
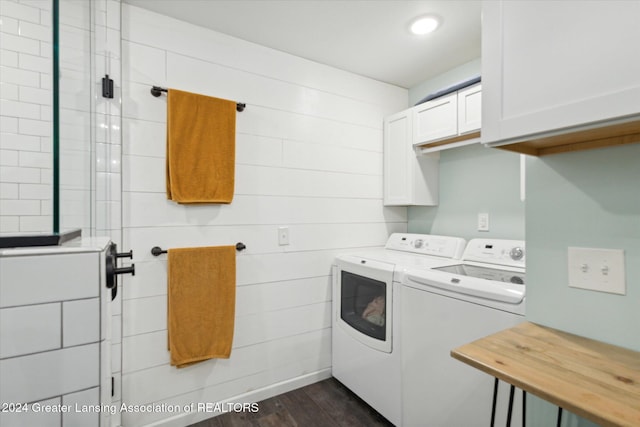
(444, 144)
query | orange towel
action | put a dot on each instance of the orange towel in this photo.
(200, 148)
(201, 303)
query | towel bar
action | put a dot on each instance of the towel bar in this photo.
(157, 250)
(157, 91)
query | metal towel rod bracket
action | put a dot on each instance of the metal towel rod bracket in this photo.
(157, 91)
(157, 250)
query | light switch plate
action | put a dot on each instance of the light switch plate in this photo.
(597, 269)
(483, 221)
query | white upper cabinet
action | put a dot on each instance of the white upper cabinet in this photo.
(560, 75)
(449, 121)
(469, 109)
(408, 179)
(436, 119)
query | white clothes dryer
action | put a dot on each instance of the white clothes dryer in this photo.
(366, 299)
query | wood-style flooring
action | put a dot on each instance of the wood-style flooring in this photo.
(326, 403)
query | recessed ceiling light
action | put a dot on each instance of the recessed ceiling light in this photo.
(424, 25)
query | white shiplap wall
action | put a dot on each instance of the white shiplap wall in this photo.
(309, 156)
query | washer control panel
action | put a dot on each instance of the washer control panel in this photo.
(496, 251)
(427, 244)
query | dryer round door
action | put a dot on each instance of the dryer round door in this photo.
(363, 301)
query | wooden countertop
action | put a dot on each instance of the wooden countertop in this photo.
(594, 380)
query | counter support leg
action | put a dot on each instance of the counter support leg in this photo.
(495, 398)
(524, 408)
(510, 412)
(559, 422)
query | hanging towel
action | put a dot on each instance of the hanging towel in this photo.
(201, 303)
(200, 148)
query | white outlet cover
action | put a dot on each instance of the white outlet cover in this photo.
(597, 269)
(283, 236)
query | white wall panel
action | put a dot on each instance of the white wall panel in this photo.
(301, 182)
(272, 325)
(308, 156)
(144, 351)
(146, 65)
(268, 304)
(330, 158)
(151, 29)
(263, 297)
(154, 210)
(259, 120)
(144, 315)
(154, 384)
(138, 103)
(252, 388)
(151, 276)
(260, 238)
(258, 150)
(143, 174)
(147, 174)
(262, 268)
(147, 137)
(144, 138)
(193, 75)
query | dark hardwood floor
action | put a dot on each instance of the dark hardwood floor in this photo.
(326, 403)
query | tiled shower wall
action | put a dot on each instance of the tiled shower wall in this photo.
(107, 184)
(90, 126)
(90, 184)
(25, 117)
(309, 156)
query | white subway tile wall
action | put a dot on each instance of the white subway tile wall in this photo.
(308, 156)
(55, 343)
(107, 175)
(30, 329)
(26, 116)
(25, 113)
(76, 84)
(50, 334)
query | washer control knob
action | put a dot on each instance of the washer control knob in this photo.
(418, 243)
(516, 253)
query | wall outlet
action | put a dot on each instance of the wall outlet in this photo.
(483, 221)
(283, 236)
(597, 269)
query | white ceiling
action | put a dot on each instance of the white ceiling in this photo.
(369, 38)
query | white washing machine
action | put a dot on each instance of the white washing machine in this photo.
(445, 307)
(366, 300)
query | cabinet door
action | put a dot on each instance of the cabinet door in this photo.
(397, 148)
(408, 179)
(556, 66)
(435, 119)
(469, 109)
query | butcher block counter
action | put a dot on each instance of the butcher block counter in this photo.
(597, 381)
